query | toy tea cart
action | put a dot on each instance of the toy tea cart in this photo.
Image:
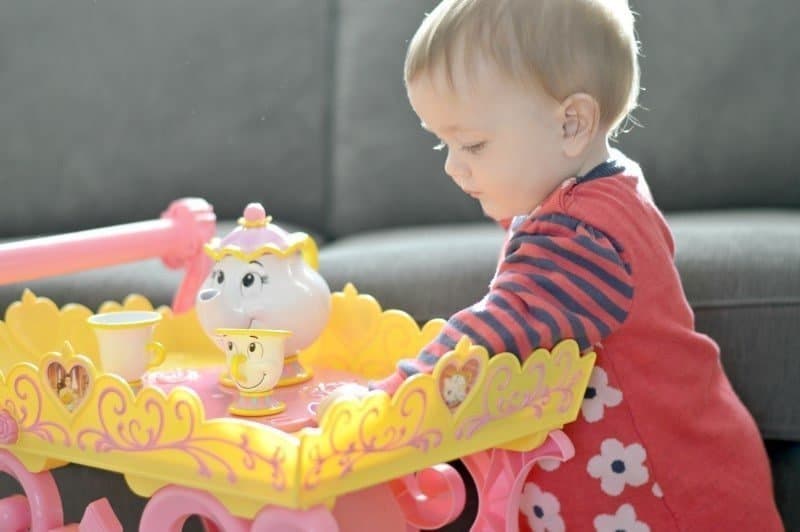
(185, 438)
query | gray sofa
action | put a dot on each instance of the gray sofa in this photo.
(110, 109)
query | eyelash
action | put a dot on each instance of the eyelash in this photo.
(472, 148)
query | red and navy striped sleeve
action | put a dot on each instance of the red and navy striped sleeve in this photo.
(559, 278)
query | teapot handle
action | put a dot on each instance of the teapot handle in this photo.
(309, 250)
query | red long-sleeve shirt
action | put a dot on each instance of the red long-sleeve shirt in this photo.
(558, 278)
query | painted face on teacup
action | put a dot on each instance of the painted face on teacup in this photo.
(255, 357)
(125, 342)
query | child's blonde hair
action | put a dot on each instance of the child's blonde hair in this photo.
(566, 46)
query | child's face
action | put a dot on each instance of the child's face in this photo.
(504, 142)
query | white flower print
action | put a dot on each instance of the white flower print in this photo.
(599, 395)
(617, 466)
(624, 519)
(542, 509)
(657, 490)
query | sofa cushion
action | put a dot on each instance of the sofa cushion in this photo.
(741, 273)
(112, 109)
(717, 131)
(429, 272)
(91, 288)
(384, 172)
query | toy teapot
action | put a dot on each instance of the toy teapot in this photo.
(265, 278)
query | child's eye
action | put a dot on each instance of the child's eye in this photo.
(440, 146)
(474, 148)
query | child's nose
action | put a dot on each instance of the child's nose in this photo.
(455, 168)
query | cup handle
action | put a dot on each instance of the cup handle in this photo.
(158, 351)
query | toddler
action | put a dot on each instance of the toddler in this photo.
(524, 96)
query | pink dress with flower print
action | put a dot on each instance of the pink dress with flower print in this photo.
(662, 442)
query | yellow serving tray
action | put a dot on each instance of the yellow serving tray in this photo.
(156, 439)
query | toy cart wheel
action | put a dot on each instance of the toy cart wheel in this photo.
(431, 498)
(39, 509)
(171, 506)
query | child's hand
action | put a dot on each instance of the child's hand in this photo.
(350, 390)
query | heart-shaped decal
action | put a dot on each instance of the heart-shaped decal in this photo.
(457, 380)
(70, 384)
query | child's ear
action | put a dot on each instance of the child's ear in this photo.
(580, 122)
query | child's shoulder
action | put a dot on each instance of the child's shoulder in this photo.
(612, 198)
(614, 204)
(620, 197)
(622, 208)
(621, 191)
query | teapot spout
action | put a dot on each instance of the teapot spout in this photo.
(207, 295)
(214, 312)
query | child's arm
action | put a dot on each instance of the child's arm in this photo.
(558, 279)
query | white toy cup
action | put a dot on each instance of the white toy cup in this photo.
(125, 341)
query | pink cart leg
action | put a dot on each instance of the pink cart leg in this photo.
(557, 446)
(373, 508)
(499, 476)
(98, 517)
(41, 495)
(317, 519)
(171, 506)
(484, 468)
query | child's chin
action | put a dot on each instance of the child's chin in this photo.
(494, 215)
(490, 213)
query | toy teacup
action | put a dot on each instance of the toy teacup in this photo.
(255, 362)
(125, 342)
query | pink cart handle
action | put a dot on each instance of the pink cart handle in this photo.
(177, 238)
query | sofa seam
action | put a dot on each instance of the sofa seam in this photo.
(789, 433)
(329, 116)
(701, 307)
(728, 304)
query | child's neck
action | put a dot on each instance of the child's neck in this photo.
(596, 153)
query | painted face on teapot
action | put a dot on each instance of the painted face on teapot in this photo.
(264, 277)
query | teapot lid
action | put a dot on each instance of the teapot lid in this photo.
(257, 236)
